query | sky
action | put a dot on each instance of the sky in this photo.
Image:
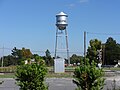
(31, 23)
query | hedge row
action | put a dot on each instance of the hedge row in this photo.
(10, 69)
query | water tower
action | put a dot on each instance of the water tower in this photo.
(61, 31)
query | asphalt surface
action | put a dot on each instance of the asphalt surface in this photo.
(8, 84)
(59, 83)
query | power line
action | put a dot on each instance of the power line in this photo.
(103, 33)
(39, 51)
(6, 48)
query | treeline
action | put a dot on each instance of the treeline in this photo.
(19, 56)
(107, 53)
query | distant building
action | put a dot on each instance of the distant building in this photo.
(31, 61)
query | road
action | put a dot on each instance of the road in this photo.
(57, 83)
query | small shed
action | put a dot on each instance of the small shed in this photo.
(59, 66)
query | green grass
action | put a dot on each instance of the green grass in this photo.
(60, 75)
(10, 75)
(68, 68)
(68, 73)
(49, 75)
(112, 68)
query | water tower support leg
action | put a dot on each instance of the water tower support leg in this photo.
(56, 42)
(67, 47)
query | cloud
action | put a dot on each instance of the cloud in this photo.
(72, 5)
(83, 1)
(76, 3)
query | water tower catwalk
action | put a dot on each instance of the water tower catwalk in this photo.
(61, 32)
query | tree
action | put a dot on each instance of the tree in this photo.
(112, 51)
(47, 52)
(31, 76)
(21, 54)
(48, 58)
(88, 77)
(9, 61)
(26, 53)
(92, 51)
(75, 59)
(17, 57)
(34, 55)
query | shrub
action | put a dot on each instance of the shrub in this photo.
(31, 76)
(88, 76)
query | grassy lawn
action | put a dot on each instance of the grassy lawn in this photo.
(68, 73)
(8, 75)
(68, 68)
(60, 75)
(49, 75)
(113, 68)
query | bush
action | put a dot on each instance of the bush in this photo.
(31, 76)
(88, 76)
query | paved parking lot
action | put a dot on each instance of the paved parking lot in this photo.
(53, 83)
(8, 84)
(60, 84)
(57, 83)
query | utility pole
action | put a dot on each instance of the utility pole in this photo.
(85, 45)
(3, 56)
(103, 55)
